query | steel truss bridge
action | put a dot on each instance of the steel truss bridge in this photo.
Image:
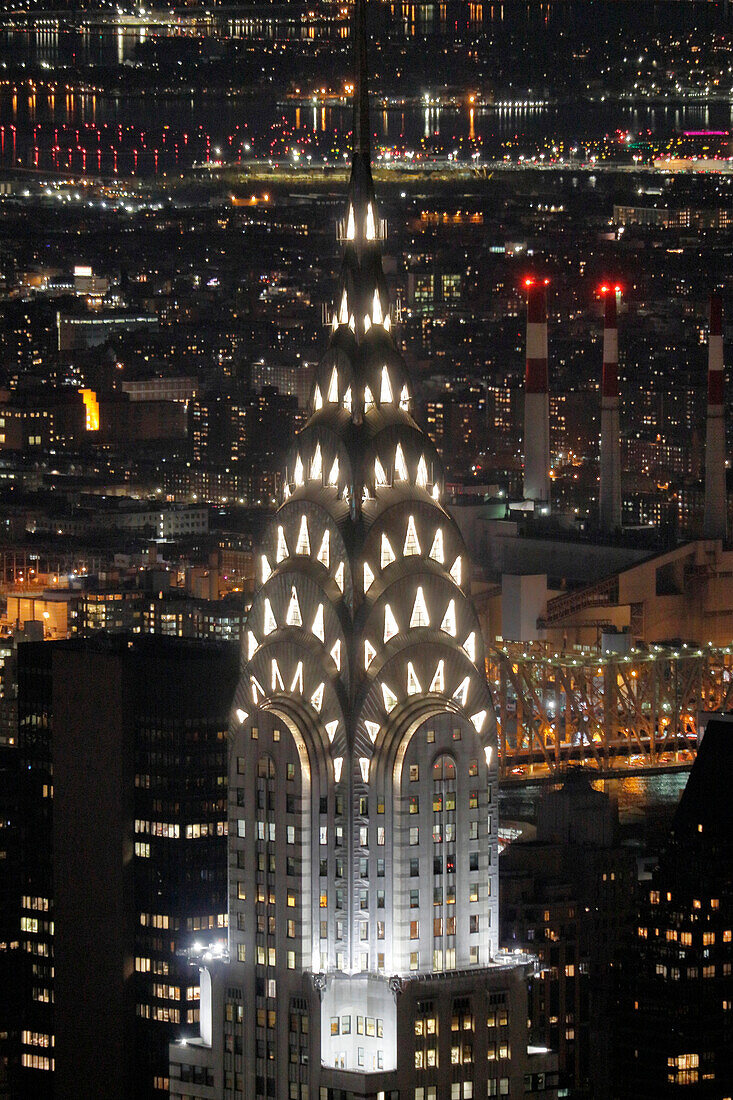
(604, 711)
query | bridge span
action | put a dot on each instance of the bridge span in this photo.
(615, 713)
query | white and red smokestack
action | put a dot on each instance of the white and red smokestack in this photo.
(536, 398)
(610, 494)
(715, 520)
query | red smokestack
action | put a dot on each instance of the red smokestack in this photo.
(715, 521)
(610, 491)
(609, 387)
(536, 400)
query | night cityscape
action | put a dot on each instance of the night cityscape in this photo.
(366, 575)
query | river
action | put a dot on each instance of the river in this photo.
(87, 128)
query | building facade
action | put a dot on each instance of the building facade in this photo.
(362, 958)
(120, 809)
(675, 1034)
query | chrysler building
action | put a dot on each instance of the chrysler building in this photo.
(362, 958)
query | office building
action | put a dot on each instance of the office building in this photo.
(676, 1034)
(122, 815)
(362, 957)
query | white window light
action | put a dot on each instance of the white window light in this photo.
(286, 491)
(368, 399)
(339, 576)
(324, 554)
(390, 699)
(352, 323)
(488, 753)
(282, 546)
(436, 491)
(317, 697)
(399, 464)
(257, 689)
(470, 645)
(266, 571)
(251, 645)
(478, 720)
(333, 387)
(269, 623)
(390, 624)
(317, 464)
(387, 323)
(371, 229)
(333, 477)
(369, 653)
(380, 477)
(461, 692)
(277, 680)
(331, 728)
(293, 617)
(385, 393)
(436, 550)
(404, 399)
(303, 545)
(412, 543)
(448, 624)
(419, 615)
(347, 399)
(438, 681)
(241, 715)
(421, 478)
(364, 768)
(336, 653)
(377, 315)
(350, 224)
(334, 322)
(372, 729)
(337, 766)
(387, 552)
(367, 323)
(298, 473)
(317, 398)
(344, 309)
(297, 684)
(317, 627)
(455, 570)
(413, 684)
(368, 578)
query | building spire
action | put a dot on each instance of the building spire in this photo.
(362, 143)
(362, 300)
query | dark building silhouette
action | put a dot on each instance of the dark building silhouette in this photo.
(123, 763)
(568, 897)
(677, 994)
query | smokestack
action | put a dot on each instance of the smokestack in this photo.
(715, 521)
(536, 399)
(610, 494)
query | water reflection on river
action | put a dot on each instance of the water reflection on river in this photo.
(645, 803)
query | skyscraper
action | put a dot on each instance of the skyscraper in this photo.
(121, 822)
(362, 955)
(676, 997)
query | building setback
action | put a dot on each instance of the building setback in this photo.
(362, 958)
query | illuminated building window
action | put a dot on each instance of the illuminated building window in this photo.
(387, 553)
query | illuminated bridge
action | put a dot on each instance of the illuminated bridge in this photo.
(605, 711)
